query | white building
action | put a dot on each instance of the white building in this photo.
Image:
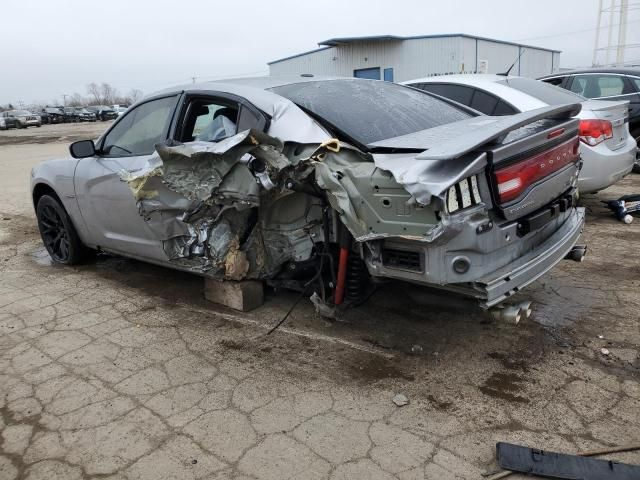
(398, 59)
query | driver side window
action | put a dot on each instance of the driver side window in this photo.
(140, 129)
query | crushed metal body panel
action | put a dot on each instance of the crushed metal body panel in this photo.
(202, 201)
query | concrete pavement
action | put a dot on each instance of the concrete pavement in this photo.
(120, 370)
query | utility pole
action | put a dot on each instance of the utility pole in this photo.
(193, 79)
(622, 32)
(612, 7)
(64, 99)
(617, 11)
(595, 46)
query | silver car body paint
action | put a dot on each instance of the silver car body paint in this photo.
(425, 175)
(189, 206)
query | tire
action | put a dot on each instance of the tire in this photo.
(58, 233)
(636, 166)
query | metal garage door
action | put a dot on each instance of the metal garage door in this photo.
(370, 73)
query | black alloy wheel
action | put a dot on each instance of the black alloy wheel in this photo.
(57, 232)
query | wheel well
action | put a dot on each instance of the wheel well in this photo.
(43, 189)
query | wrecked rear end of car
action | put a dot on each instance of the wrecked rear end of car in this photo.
(481, 206)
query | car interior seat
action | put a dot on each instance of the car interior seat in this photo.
(222, 125)
(592, 89)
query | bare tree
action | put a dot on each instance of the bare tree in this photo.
(134, 95)
(108, 92)
(76, 100)
(94, 92)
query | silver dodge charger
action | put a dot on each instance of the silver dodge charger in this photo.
(322, 185)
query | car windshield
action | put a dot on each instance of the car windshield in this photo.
(369, 111)
(544, 92)
(20, 112)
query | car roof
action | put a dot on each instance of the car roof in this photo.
(616, 70)
(489, 83)
(233, 85)
(288, 121)
(473, 79)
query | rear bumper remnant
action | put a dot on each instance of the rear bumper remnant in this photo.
(491, 287)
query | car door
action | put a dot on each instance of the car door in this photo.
(601, 86)
(634, 107)
(106, 202)
(608, 86)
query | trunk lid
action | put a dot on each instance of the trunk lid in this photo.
(616, 112)
(536, 150)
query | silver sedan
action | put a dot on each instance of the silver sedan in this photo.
(319, 185)
(607, 147)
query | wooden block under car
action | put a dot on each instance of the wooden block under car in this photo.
(243, 296)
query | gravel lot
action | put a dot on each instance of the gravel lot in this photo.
(120, 370)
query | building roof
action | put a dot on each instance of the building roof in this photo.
(334, 42)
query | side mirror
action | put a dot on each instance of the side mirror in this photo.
(82, 149)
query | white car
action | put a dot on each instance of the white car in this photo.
(119, 109)
(607, 148)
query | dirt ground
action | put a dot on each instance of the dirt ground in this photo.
(120, 370)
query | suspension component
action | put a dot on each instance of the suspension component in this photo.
(345, 246)
(357, 282)
(342, 275)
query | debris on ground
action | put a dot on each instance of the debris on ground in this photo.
(624, 206)
(605, 351)
(400, 400)
(516, 458)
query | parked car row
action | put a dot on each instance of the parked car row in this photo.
(59, 114)
(103, 112)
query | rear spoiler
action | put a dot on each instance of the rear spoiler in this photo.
(494, 130)
(424, 179)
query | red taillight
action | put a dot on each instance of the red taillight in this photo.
(515, 179)
(593, 132)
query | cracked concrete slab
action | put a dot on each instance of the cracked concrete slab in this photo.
(120, 370)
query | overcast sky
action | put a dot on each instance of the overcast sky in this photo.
(55, 47)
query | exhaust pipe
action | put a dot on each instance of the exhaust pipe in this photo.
(509, 314)
(512, 314)
(525, 310)
(577, 253)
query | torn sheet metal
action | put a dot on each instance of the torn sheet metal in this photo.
(224, 209)
(201, 199)
(429, 178)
